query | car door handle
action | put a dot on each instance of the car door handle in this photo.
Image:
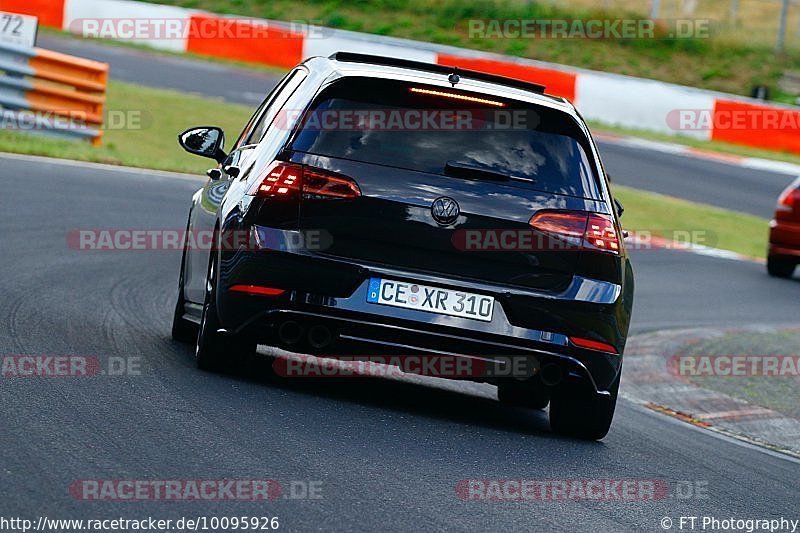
(232, 171)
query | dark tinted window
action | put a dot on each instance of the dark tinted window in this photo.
(254, 130)
(423, 128)
(294, 81)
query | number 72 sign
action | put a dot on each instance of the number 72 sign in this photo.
(18, 29)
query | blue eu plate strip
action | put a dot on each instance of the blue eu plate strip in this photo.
(372, 290)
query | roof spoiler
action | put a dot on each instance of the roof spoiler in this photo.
(353, 57)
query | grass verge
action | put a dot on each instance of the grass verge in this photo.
(150, 120)
(163, 114)
(710, 226)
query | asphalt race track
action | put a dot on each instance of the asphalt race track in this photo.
(388, 453)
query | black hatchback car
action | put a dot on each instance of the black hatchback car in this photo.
(383, 206)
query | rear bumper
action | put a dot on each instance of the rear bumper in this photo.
(784, 239)
(330, 291)
(358, 338)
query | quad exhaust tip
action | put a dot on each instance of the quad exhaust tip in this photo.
(551, 375)
(290, 332)
(319, 336)
(316, 337)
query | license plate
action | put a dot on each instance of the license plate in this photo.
(432, 299)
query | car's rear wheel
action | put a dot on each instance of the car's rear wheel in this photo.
(577, 411)
(183, 330)
(780, 267)
(523, 394)
(214, 351)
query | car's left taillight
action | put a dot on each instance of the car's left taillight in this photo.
(283, 180)
(789, 198)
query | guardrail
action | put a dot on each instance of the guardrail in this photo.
(42, 90)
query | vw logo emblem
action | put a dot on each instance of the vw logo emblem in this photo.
(445, 210)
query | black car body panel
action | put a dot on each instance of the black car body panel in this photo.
(324, 251)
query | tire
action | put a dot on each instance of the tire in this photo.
(523, 394)
(780, 267)
(577, 411)
(183, 330)
(215, 352)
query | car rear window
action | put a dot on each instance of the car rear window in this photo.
(423, 128)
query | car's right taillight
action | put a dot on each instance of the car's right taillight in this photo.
(282, 179)
(579, 229)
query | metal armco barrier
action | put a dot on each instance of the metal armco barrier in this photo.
(42, 90)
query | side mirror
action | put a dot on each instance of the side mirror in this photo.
(619, 207)
(206, 141)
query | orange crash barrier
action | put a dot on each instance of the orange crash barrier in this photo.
(52, 92)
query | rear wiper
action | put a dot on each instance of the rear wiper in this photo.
(462, 170)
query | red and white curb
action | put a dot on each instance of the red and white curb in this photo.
(651, 242)
(646, 381)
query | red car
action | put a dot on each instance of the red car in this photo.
(784, 233)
